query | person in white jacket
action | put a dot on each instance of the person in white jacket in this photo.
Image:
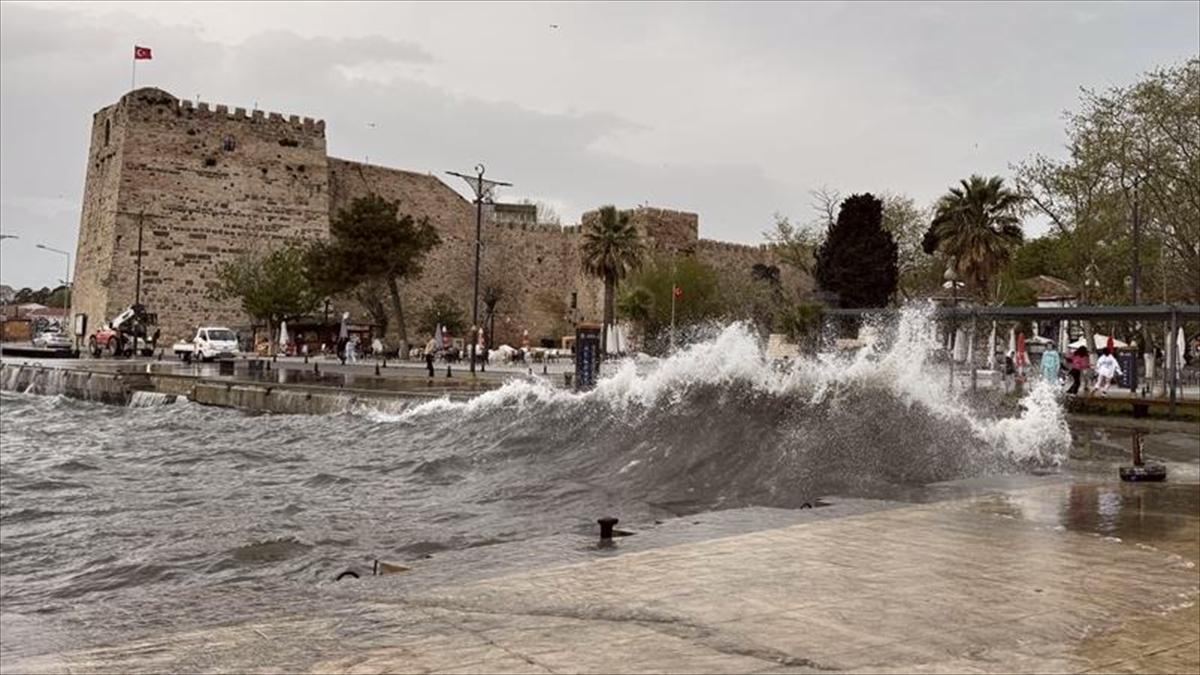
(1106, 368)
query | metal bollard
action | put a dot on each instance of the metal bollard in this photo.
(316, 369)
(376, 370)
(306, 357)
(606, 527)
(545, 369)
(447, 370)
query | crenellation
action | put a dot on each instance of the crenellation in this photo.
(214, 184)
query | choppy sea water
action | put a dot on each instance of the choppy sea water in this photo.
(115, 521)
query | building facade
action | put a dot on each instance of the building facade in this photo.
(192, 185)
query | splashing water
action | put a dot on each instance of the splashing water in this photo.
(720, 423)
(203, 514)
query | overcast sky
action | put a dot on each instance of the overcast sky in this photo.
(732, 111)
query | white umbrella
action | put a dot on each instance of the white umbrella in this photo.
(1180, 346)
(612, 345)
(960, 345)
(1012, 342)
(437, 337)
(283, 335)
(992, 349)
(971, 345)
(344, 331)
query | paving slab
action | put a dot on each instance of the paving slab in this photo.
(1054, 576)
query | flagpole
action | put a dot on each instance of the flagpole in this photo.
(674, 286)
(133, 76)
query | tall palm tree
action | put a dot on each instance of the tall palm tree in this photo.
(978, 225)
(612, 248)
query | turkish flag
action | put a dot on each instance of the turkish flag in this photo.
(141, 53)
(678, 292)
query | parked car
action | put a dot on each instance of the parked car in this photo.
(210, 342)
(53, 340)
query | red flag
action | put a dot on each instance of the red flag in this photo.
(1110, 345)
(141, 53)
(678, 292)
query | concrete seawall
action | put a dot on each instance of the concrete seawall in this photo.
(126, 388)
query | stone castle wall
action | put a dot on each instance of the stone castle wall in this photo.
(205, 185)
(211, 184)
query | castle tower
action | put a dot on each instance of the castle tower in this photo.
(203, 185)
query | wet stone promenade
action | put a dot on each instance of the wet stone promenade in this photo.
(1073, 572)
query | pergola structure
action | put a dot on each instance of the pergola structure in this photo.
(1144, 313)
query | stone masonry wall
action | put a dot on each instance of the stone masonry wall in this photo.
(97, 229)
(210, 184)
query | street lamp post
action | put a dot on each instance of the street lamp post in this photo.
(66, 280)
(483, 191)
(951, 277)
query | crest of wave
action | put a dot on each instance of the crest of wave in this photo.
(891, 358)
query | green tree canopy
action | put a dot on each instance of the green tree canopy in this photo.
(372, 243)
(272, 288)
(1134, 144)
(858, 260)
(444, 311)
(647, 296)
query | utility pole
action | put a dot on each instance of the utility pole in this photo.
(1137, 241)
(137, 292)
(483, 191)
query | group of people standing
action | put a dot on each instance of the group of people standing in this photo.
(1077, 365)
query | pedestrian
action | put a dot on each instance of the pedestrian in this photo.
(1106, 368)
(341, 349)
(1050, 365)
(352, 349)
(1079, 365)
(430, 350)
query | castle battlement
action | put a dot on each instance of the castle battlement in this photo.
(544, 229)
(714, 245)
(221, 180)
(151, 96)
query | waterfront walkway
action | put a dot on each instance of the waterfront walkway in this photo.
(1071, 572)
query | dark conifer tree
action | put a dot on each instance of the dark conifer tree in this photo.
(858, 260)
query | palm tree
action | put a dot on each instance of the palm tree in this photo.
(977, 224)
(612, 248)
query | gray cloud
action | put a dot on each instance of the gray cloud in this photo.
(731, 110)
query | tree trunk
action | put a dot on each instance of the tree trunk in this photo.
(610, 288)
(401, 329)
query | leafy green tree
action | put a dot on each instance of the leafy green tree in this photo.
(272, 288)
(1127, 146)
(802, 323)
(442, 310)
(372, 243)
(612, 248)
(907, 223)
(977, 225)
(858, 260)
(795, 246)
(647, 296)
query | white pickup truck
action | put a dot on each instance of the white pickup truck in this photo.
(211, 342)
